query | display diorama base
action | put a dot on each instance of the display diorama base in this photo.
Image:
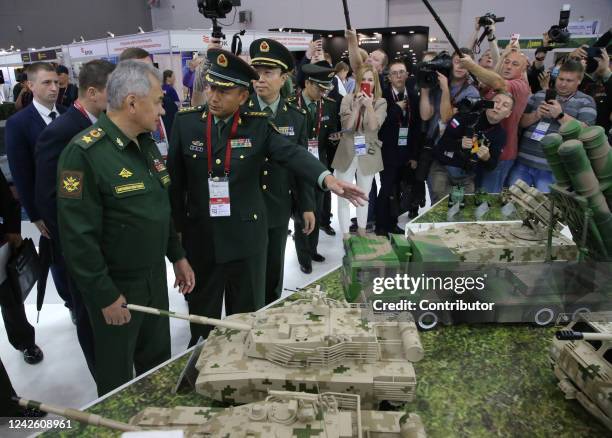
(475, 381)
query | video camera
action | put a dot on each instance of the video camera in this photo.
(596, 51)
(215, 9)
(558, 33)
(489, 19)
(426, 76)
(469, 105)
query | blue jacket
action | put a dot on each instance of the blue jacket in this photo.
(51, 142)
(22, 131)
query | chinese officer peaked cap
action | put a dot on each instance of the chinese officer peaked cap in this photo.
(228, 70)
(266, 52)
(320, 75)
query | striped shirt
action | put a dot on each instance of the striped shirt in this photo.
(580, 106)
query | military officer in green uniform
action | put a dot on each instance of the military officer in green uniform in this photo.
(273, 61)
(216, 159)
(322, 124)
(115, 226)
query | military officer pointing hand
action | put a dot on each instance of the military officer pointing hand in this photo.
(115, 226)
(215, 162)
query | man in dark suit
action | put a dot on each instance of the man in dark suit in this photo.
(401, 137)
(19, 331)
(68, 92)
(51, 142)
(22, 131)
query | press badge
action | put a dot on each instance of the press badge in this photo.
(313, 147)
(360, 145)
(540, 131)
(218, 191)
(403, 137)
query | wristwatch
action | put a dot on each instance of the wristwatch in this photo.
(560, 116)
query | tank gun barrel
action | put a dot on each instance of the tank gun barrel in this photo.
(196, 319)
(570, 335)
(77, 415)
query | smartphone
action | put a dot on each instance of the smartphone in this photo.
(317, 37)
(551, 94)
(515, 37)
(366, 88)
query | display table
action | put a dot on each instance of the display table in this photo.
(479, 381)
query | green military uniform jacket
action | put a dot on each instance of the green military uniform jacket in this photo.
(329, 123)
(244, 232)
(113, 209)
(281, 187)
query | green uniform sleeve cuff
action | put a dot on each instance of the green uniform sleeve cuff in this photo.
(175, 252)
(102, 299)
(321, 178)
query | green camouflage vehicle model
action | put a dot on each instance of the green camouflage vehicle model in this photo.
(281, 415)
(521, 267)
(314, 344)
(581, 356)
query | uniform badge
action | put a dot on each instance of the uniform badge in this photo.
(126, 188)
(159, 166)
(125, 173)
(286, 130)
(251, 104)
(222, 60)
(87, 139)
(324, 118)
(118, 141)
(331, 75)
(95, 133)
(238, 143)
(196, 146)
(71, 185)
(264, 46)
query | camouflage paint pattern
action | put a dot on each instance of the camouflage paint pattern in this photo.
(474, 382)
(584, 367)
(314, 345)
(439, 211)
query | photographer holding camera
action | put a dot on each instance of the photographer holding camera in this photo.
(490, 57)
(512, 78)
(545, 113)
(438, 105)
(472, 142)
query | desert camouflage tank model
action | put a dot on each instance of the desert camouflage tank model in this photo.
(581, 356)
(282, 415)
(314, 344)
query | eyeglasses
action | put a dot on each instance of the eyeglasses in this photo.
(398, 73)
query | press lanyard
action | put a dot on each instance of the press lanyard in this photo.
(81, 109)
(228, 147)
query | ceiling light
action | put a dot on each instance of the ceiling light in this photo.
(330, 36)
(412, 31)
(393, 33)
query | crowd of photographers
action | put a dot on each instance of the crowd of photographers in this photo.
(483, 119)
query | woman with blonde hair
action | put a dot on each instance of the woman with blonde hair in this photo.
(359, 152)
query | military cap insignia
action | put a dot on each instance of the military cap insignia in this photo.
(222, 60)
(71, 185)
(264, 46)
(125, 173)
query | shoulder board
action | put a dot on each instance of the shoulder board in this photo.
(191, 109)
(256, 114)
(87, 138)
(294, 107)
(329, 99)
(291, 99)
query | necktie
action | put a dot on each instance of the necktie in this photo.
(220, 126)
(312, 107)
(268, 110)
(53, 115)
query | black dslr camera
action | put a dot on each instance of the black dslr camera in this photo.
(558, 33)
(426, 76)
(489, 19)
(215, 8)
